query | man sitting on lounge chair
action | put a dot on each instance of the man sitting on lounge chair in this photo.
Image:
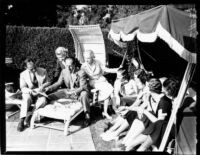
(75, 81)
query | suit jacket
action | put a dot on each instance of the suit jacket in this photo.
(26, 83)
(59, 67)
(79, 83)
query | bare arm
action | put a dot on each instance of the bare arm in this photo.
(108, 70)
(161, 115)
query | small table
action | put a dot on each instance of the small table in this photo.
(65, 111)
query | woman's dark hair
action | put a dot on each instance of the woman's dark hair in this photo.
(141, 74)
(155, 85)
(171, 85)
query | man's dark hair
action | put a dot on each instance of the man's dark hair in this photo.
(28, 59)
(75, 62)
(172, 86)
(155, 85)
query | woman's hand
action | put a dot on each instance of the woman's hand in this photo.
(140, 112)
(161, 116)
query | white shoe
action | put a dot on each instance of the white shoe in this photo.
(109, 137)
(102, 135)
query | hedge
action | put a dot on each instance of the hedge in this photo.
(40, 43)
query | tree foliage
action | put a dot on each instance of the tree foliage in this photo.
(51, 14)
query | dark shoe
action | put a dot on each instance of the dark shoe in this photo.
(27, 120)
(87, 121)
(20, 126)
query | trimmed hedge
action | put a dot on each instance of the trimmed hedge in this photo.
(40, 43)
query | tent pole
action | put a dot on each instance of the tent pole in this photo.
(124, 57)
(138, 49)
(178, 101)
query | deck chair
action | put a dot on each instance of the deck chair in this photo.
(12, 98)
(61, 109)
(85, 37)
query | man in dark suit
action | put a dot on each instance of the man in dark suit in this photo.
(76, 84)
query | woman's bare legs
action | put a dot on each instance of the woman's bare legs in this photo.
(136, 128)
(140, 139)
(121, 128)
(119, 121)
(105, 113)
(146, 144)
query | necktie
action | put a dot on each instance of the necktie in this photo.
(35, 82)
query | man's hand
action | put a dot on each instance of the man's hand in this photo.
(41, 89)
(34, 92)
(46, 89)
(70, 92)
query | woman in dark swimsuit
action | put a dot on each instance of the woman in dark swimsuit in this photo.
(154, 130)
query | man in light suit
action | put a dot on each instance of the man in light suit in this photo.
(76, 84)
(32, 80)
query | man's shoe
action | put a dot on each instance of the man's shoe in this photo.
(27, 120)
(20, 126)
(86, 123)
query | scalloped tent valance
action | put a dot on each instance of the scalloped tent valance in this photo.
(175, 27)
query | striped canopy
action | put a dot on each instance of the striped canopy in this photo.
(175, 27)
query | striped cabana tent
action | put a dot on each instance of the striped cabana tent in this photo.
(173, 33)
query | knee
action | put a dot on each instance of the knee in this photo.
(42, 100)
(27, 97)
(84, 94)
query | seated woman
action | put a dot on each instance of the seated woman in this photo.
(125, 89)
(156, 120)
(143, 121)
(125, 120)
(95, 70)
